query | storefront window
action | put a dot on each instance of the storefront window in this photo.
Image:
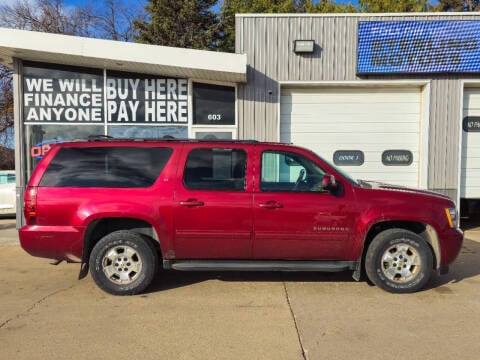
(65, 103)
(39, 139)
(137, 98)
(62, 95)
(148, 132)
(213, 135)
(213, 104)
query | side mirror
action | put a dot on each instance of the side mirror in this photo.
(329, 183)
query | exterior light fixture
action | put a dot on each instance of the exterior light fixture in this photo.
(303, 46)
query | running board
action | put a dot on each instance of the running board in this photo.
(258, 265)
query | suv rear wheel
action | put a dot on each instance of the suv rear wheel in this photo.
(399, 261)
(123, 263)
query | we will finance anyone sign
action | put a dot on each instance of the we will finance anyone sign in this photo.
(91, 98)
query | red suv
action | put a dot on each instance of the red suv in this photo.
(119, 207)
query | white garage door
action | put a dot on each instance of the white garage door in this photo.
(470, 178)
(373, 132)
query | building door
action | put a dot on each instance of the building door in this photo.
(470, 164)
(373, 133)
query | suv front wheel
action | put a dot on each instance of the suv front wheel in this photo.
(399, 261)
(123, 263)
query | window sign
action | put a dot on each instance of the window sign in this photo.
(471, 124)
(133, 98)
(72, 95)
(397, 158)
(348, 157)
(53, 95)
(213, 104)
(418, 47)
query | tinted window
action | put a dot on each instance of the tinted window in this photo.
(215, 169)
(106, 167)
(213, 104)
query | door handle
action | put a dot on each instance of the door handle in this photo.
(271, 205)
(191, 202)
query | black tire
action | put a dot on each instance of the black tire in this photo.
(123, 263)
(399, 261)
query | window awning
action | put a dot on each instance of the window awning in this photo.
(121, 56)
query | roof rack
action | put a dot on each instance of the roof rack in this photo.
(99, 137)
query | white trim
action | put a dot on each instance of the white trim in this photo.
(105, 105)
(193, 128)
(355, 83)
(108, 124)
(65, 123)
(279, 107)
(424, 86)
(156, 124)
(424, 136)
(464, 84)
(190, 107)
(362, 15)
(235, 134)
(215, 129)
(460, 145)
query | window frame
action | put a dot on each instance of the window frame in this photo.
(101, 182)
(293, 190)
(232, 149)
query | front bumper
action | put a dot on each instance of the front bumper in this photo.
(451, 241)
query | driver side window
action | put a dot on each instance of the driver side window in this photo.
(285, 171)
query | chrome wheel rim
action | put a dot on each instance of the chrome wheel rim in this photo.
(122, 265)
(401, 263)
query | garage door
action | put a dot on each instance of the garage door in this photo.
(470, 176)
(370, 132)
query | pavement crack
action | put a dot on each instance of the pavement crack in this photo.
(33, 306)
(287, 297)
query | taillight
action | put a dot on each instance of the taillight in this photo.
(30, 204)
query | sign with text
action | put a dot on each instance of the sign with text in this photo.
(60, 95)
(471, 124)
(397, 158)
(77, 95)
(348, 157)
(146, 100)
(418, 47)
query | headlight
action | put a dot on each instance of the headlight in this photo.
(451, 216)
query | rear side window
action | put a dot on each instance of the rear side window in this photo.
(215, 169)
(106, 167)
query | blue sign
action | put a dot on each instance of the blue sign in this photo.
(386, 47)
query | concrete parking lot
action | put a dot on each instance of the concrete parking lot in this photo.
(46, 313)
